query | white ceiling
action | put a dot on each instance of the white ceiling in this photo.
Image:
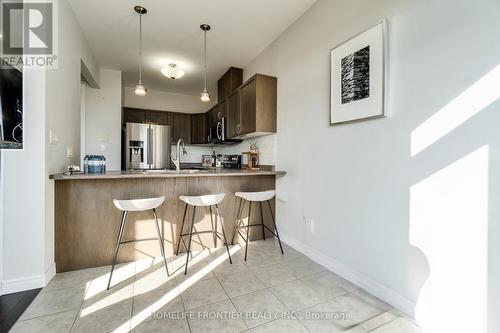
(241, 29)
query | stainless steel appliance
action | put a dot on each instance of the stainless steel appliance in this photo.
(231, 161)
(147, 146)
(218, 133)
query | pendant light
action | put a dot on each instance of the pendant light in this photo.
(205, 96)
(140, 90)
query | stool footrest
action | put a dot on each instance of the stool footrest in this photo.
(138, 240)
(256, 225)
(218, 234)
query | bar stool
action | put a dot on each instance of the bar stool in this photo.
(202, 201)
(255, 197)
(137, 205)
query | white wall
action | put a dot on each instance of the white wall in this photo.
(63, 110)
(103, 116)
(166, 101)
(52, 101)
(23, 204)
(351, 183)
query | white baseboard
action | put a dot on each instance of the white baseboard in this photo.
(384, 293)
(50, 273)
(28, 283)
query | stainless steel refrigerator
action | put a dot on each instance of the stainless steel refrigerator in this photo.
(147, 146)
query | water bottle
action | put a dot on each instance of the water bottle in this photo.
(101, 164)
(93, 164)
(86, 164)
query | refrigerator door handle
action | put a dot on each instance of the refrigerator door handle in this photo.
(150, 146)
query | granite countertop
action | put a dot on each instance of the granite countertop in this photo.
(170, 174)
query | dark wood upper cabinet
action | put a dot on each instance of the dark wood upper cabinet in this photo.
(233, 115)
(229, 82)
(212, 116)
(258, 106)
(248, 107)
(132, 115)
(160, 118)
(222, 110)
(181, 127)
(199, 133)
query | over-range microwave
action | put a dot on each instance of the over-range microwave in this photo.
(217, 134)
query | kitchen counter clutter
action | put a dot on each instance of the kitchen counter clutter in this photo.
(86, 221)
(218, 172)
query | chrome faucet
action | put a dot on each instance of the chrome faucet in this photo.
(177, 160)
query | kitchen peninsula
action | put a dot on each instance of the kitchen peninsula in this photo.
(86, 220)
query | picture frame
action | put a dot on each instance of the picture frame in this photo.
(358, 77)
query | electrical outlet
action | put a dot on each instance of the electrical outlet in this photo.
(313, 226)
(102, 137)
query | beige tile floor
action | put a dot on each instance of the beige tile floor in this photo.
(268, 293)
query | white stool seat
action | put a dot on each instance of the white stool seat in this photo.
(256, 196)
(138, 205)
(203, 200)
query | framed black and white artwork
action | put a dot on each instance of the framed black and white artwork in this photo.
(358, 77)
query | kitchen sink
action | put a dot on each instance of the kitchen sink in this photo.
(191, 171)
(164, 171)
(155, 171)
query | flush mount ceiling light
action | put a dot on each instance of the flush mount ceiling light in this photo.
(140, 90)
(205, 96)
(172, 72)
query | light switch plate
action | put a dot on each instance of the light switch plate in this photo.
(53, 139)
(102, 137)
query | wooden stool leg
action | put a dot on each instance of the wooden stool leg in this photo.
(190, 238)
(118, 242)
(160, 239)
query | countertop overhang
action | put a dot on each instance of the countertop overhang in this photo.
(170, 174)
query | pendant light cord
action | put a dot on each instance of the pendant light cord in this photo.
(205, 61)
(140, 48)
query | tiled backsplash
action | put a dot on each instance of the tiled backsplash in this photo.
(266, 146)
